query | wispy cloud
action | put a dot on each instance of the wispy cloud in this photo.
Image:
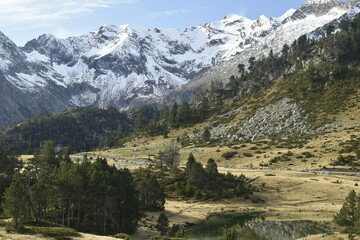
(38, 13)
(169, 13)
(242, 12)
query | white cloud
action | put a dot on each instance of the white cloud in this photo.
(169, 13)
(242, 12)
(38, 13)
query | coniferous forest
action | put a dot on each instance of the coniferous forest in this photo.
(89, 195)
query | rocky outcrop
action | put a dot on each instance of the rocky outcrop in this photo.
(281, 230)
(281, 118)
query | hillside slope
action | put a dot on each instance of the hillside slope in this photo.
(307, 90)
(81, 129)
(311, 19)
(126, 65)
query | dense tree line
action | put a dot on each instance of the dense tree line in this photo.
(151, 193)
(206, 182)
(9, 164)
(153, 121)
(196, 181)
(80, 128)
(90, 197)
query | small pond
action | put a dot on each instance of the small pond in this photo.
(251, 227)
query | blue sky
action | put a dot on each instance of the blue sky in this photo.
(23, 20)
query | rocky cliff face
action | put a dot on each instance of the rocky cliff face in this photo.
(125, 65)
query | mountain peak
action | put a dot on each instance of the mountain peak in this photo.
(262, 17)
(233, 18)
(288, 13)
(311, 2)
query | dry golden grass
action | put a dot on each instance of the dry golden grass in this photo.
(325, 148)
(288, 196)
(335, 236)
(84, 236)
(26, 158)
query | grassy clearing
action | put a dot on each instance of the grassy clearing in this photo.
(329, 236)
(287, 196)
(315, 152)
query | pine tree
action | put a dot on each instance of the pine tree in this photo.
(16, 201)
(164, 114)
(46, 157)
(206, 136)
(151, 194)
(162, 224)
(66, 155)
(9, 163)
(211, 168)
(346, 216)
(173, 114)
(190, 162)
(204, 107)
(181, 115)
(241, 68)
(189, 189)
(197, 175)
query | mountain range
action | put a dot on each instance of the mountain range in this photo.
(126, 65)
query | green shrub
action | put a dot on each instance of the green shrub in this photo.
(228, 155)
(9, 228)
(247, 154)
(56, 232)
(198, 195)
(159, 238)
(124, 236)
(289, 154)
(308, 154)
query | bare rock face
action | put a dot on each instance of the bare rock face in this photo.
(125, 66)
(283, 117)
(281, 230)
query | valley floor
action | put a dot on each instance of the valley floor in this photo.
(284, 194)
(287, 196)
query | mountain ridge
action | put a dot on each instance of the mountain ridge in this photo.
(118, 65)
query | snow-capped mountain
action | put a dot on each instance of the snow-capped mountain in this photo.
(127, 62)
(310, 19)
(117, 65)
